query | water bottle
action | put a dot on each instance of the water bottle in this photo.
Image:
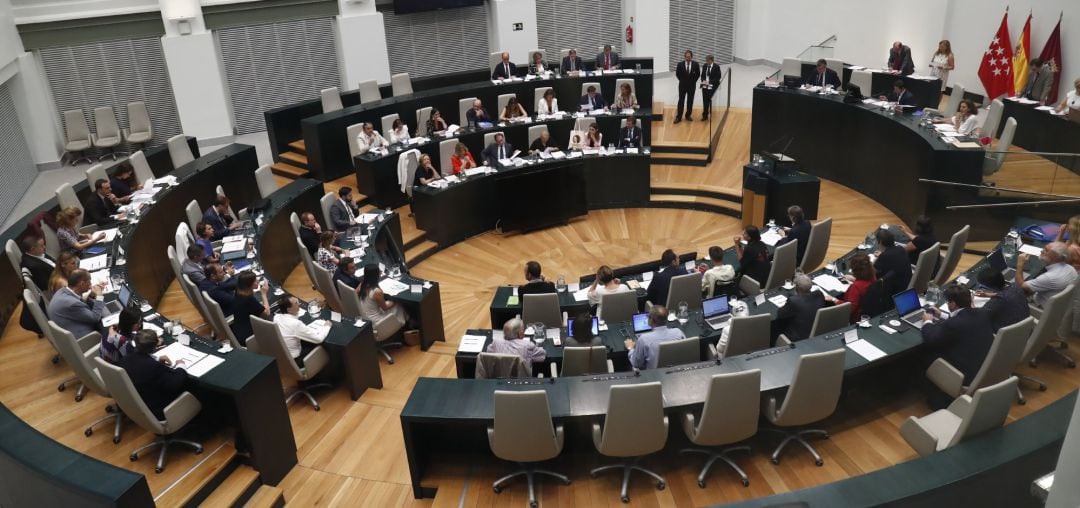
(560, 284)
(313, 308)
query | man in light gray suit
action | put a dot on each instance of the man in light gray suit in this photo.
(71, 312)
(1040, 80)
(192, 266)
(607, 59)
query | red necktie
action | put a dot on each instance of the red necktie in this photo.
(607, 62)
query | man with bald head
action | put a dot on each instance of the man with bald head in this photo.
(900, 59)
(477, 114)
(504, 69)
(1058, 273)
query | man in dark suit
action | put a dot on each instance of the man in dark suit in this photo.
(964, 338)
(892, 261)
(607, 59)
(346, 272)
(900, 94)
(1040, 81)
(504, 69)
(900, 59)
(710, 79)
(661, 282)
(534, 281)
(630, 134)
(218, 218)
(798, 232)
(825, 76)
(592, 100)
(572, 63)
(800, 310)
(687, 73)
(477, 114)
(342, 212)
(497, 151)
(102, 204)
(40, 264)
(309, 232)
(158, 385)
(220, 290)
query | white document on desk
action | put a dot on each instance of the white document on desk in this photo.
(233, 246)
(102, 277)
(178, 352)
(581, 295)
(770, 237)
(830, 283)
(110, 234)
(94, 263)
(205, 365)
(866, 350)
(392, 287)
(778, 300)
(1030, 249)
(472, 344)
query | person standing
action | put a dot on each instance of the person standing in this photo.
(710, 79)
(1040, 81)
(900, 59)
(942, 62)
(687, 72)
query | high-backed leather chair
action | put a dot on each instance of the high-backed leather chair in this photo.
(517, 412)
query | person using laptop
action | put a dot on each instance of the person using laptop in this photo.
(1058, 273)
(645, 353)
(1006, 306)
(719, 273)
(217, 216)
(514, 343)
(582, 332)
(964, 338)
(861, 278)
(120, 341)
(605, 283)
(76, 307)
(534, 281)
(661, 282)
(797, 315)
(892, 261)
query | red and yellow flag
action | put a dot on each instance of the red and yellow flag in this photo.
(1020, 56)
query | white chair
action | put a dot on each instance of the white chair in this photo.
(791, 67)
(331, 99)
(952, 256)
(542, 308)
(143, 173)
(369, 91)
(993, 119)
(14, 254)
(385, 329)
(194, 214)
(811, 397)
(635, 427)
(862, 79)
(538, 93)
(749, 286)
(325, 203)
(783, 265)
(1045, 331)
(180, 151)
(953, 104)
(412, 163)
(108, 134)
(585, 88)
(219, 191)
(324, 281)
(309, 264)
(31, 299)
(502, 101)
(446, 150)
(139, 131)
(388, 124)
(532, 56)
(464, 105)
(582, 124)
(563, 53)
(525, 411)
(489, 137)
(219, 323)
(730, 415)
(618, 307)
(924, 268)
(827, 319)
(77, 136)
(66, 198)
(95, 173)
(351, 134)
(422, 117)
(582, 361)
(264, 178)
(294, 221)
(747, 334)
(994, 159)
(535, 131)
(685, 288)
(267, 340)
(619, 83)
(966, 417)
(401, 84)
(493, 60)
(182, 239)
(1003, 357)
(817, 245)
(678, 352)
(52, 243)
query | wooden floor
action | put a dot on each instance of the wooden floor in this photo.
(352, 453)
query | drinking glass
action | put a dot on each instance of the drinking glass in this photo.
(313, 308)
(788, 284)
(560, 284)
(539, 333)
(177, 328)
(684, 312)
(864, 321)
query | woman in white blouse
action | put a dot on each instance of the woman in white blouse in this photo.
(399, 132)
(300, 338)
(605, 283)
(548, 104)
(966, 119)
(537, 66)
(1071, 100)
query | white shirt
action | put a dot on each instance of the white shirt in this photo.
(966, 127)
(542, 107)
(601, 290)
(364, 143)
(1072, 100)
(401, 135)
(293, 331)
(44, 259)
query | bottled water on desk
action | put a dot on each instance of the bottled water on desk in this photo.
(560, 284)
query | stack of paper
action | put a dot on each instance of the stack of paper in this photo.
(180, 355)
(770, 237)
(102, 277)
(866, 350)
(205, 365)
(581, 295)
(1030, 250)
(472, 344)
(94, 263)
(234, 245)
(830, 283)
(110, 234)
(367, 218)
(392, 287)
(778, 300)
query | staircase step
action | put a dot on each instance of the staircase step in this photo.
(205, 475)
(420, 251)
(298, 146)
(680, 159)
(296, 159)
(697, 189)
(677, 147)
(288, 170)
(266, 497)
(243, 481)
(697, 203)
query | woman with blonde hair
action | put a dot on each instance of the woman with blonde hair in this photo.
(66, 263)
(626, 98)
(1072, 243)
(942, 62)
(67, 222)
(425, 171)
(462, 159)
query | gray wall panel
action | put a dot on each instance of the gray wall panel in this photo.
(704, 27)
(17, 169)
(438, 42)
(584, 25)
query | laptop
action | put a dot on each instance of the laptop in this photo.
(595, 328)
(997, 262)
(111, 315)
(717, 311)
(641, 322)
(792, 81)
(909, 308)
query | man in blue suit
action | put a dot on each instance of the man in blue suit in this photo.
(572, 62)
(661, 282)
(964, 339)
(74, 313)
(592, 100)
(217, 217)
(504, 69)
(900, 94)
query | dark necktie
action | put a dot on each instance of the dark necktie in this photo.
(507, 67)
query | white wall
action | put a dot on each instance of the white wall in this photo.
(361, 44)
(651, 31)
(502, 15)
(198, 83)
(10, 44)
(33, 102)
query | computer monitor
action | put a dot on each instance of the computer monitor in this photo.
(641, 322)
(595, 327)
(997, 261)
(715, 306)
(792, 81)
(125, 295)
(906, 302)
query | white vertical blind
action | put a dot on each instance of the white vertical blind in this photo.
(17, 169)
(437, 42)
(704, 27)
(584, 25)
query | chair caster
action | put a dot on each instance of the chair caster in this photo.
(1042, 388)
(498, 490)
(819, 462)
(567, 482)
(746, 483)
(40, 336)
(88, 432)
(78, 398)
(532, 504)
(198, 450)
(701, 483)
(56, 359)
(660, 486)
(134, 457)
(61, 388)
(116, 439)
(317, 408)
(158, 470)
(625, 499)
(110, 409)
(776, 461)
(1021, 402)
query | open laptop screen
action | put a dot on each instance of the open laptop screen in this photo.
(595, 328)
(906, 302)
(715, 306)
(641, 322)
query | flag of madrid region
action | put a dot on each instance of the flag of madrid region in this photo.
(996, 71)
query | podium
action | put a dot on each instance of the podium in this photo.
(768, 194)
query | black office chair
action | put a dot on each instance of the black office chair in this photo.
(878, 297)
(726, 288)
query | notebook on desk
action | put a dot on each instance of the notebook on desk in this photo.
(717, 311)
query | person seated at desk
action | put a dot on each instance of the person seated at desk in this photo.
(537, 66)
(861, 278)
(299, 338)
(535, 283)
(593, 137)
(661, 282)
(221, 289)
(892, 262)
(592, 100)
(798, 232)
(369, 139)
(436, 126)
(548, 104)
(1006, 305)
(630, 134)
(799, 312)
(76, 307)
(399, 132)
(514, 343)
(217, 216)
(964, 338)
(544, 144)
(513, 110)
(754, 256)
(921, 239)
(462, 159)
(625, 99)
(343, 212)
(34, 259)
(425, 172)
(204, 235)
(157, 383)
(325, 255)
(374, 306)
(572, 63)
(310, 232)
(102, 204)
(900, 95)
(966, 119)
(583, 336)
(497, 151)
(1071, 100)
(719, 272)
(193, 264)
(120, 341)
(605, 283)
(1072, 243)
(68, 235)
(607, 59)
(1057, 274)
(645, 353)
(245, 305)
(576, 142)
(476, 115)
(505, 69)
(346, 273)
(123, 182)
(66, 263)
(900, 59)
(1040, 81)
(825, 76)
